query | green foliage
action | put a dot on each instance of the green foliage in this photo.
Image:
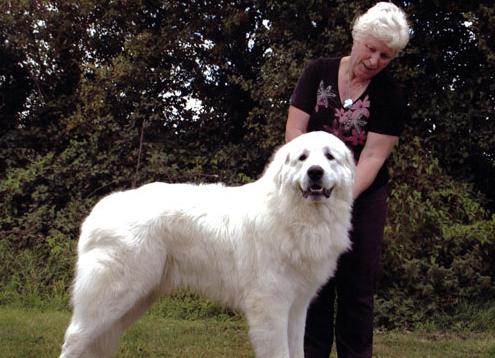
(82, 82)
(439, 243)
(448, 72)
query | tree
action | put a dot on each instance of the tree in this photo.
(449, 74)
(101, 96)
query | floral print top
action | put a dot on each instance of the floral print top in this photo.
(380, 109)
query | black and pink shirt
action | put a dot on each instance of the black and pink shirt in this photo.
(380, 109)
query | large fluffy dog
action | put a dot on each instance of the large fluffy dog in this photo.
(263, 248)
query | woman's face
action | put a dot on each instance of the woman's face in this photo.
(369, 56)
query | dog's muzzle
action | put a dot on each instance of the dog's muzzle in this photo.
(316, 190)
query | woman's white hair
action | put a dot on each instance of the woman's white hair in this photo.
(385, 22)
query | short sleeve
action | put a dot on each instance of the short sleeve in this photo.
(304, 94)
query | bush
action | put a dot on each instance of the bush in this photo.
(439, 244)
(41, 213)
(438, 249)
(45, 202)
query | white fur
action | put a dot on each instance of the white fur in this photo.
(261, 248)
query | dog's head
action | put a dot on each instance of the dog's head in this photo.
(316, 165)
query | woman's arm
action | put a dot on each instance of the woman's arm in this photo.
(375, 152)
(297, 123)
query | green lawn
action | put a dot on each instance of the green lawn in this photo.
(35, 333)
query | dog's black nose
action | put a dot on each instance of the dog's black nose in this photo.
(315, 172)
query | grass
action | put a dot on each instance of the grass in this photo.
(38, 333)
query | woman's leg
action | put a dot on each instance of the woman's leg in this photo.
(318, 337)
(355, 278)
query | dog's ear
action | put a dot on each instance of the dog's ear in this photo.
(350, 163)
(273, 170)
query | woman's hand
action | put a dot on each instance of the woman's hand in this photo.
(375, 152)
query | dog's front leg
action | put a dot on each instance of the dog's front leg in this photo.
(297, 323)
(268, 327)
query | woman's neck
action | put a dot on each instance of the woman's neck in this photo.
(352, 79)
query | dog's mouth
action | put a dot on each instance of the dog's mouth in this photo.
(316, 192)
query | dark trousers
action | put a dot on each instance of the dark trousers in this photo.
(353, 286)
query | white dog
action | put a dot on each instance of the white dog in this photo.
(263, 248)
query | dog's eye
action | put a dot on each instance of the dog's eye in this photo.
(329, 156)
(303, 157)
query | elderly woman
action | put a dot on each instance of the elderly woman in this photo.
(355, 99)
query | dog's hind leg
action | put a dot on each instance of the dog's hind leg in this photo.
(105, 299)
(107, 343)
